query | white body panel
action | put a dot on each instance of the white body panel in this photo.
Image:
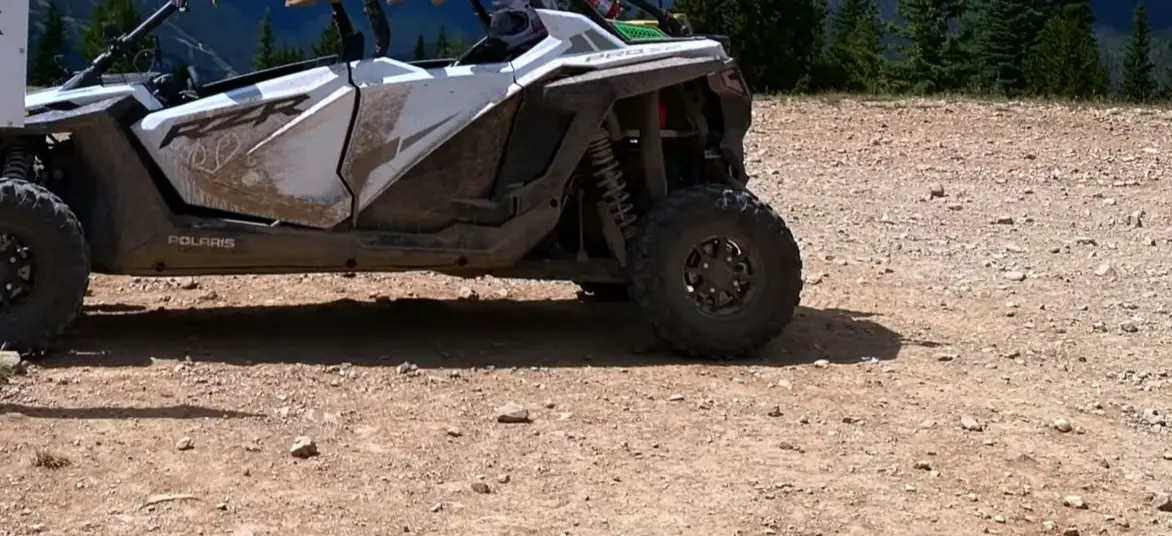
(416, 110)
(13, 61)
(92, 94)
(269, 150)
(575, 41)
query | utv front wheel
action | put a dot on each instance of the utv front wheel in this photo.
(716, 271)
(44, 266)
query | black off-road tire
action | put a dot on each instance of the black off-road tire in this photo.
(604, 292)
(672, 229)
(42, 221)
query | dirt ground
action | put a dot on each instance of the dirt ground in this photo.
(989, 359)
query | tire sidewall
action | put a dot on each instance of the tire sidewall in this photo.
(680, 222)
(41, 221)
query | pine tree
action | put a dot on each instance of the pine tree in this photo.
(1167, 92)
(1139, 83)
(1066, 62)
(931, 62)
(854, 58)
(123, 15)
(441, 43)
(44, 70)
(1004, 33)
(420, 51)
(779, 42)
(288, 54)
(329, 43)
(265, 55)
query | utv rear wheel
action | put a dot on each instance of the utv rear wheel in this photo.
(44, 266)
(716, 271)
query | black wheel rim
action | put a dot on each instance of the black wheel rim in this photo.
(720, 275)
(18, 271)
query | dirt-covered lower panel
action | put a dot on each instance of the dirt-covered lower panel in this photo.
(463, 168)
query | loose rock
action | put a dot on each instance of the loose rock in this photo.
(1014, 276)
(1162, 502)
(184, 444)
(971, 424)
(512, 412)
(1062, 425)
(480, 487)
(303, 447)
(1074, 501)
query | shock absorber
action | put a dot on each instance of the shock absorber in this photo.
(612, 188)
(18, 163)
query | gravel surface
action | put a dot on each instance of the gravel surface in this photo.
(983, 348)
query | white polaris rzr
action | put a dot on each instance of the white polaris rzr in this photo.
(605, 154)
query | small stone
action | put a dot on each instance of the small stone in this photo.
(1014, 276)
(971, 424)
(910, 488)
(467, 293)
(503, 479)
(184, 444)
(1049, 525)
(480, 487)
(972, 497)
(1104, 269)
(454, 432)
(945, 357)
(675, 398)
(775, 411)
(1070, 531)
(923, 465)
(406, 368)
(1062, 425)
(512, 412)
(1162, 502)
(1168, 455)
(999, 518)
(822, 363)
(303, 447)
(436, 507)
(221, 506)
(1074, 501)
(1003, 220)
(10, 360)
(936, 190)
(1135, 219)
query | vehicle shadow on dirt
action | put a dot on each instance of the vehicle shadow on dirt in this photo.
(112, 412)
(439, 333)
